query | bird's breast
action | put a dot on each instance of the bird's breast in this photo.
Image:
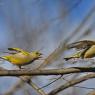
(90, 52)
(20, 59)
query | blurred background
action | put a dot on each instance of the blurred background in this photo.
(45, 25)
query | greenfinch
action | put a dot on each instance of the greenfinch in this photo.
(86, 47)
(21, 57)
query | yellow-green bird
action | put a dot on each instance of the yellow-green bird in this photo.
(21, 57)
(87, 49)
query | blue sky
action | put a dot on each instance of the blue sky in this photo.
(32, 11)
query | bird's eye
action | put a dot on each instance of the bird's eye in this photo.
(37, 52)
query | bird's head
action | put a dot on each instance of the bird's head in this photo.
(36, 54)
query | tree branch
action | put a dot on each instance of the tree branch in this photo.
(25, 79)
(71, 83)
(46, 72)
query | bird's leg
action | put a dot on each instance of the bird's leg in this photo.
(19, 67)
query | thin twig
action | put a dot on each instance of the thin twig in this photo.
(71, 83)
(51, 82)
(24, 79)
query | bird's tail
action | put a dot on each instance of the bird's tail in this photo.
(4, 58)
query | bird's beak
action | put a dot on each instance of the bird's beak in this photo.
(41, 55)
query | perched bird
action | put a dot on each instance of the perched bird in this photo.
(86, 47)
(21, 57)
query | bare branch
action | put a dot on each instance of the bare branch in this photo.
(20, 84)
(71, 83)
(62, 71)
(51, 82)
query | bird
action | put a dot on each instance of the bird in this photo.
(21, 57)
(86, 49)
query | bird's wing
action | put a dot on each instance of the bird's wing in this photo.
(19, 50)
(81, 44)
(76, 55)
